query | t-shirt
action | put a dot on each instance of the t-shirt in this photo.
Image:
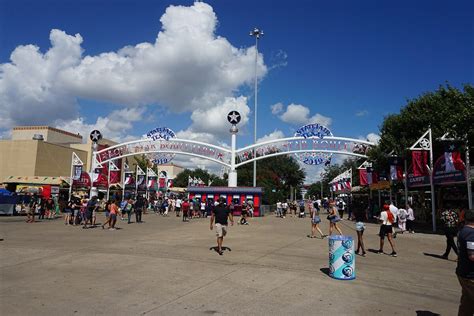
(394, 211)
(384, 218)
(178, 203)
(450, 219)
(465, 266)
(113, 208)
(278, 204)
(221, 213)
(411, 216)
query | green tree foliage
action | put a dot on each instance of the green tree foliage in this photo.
(277, 175)
(447, 109)
(181, 179)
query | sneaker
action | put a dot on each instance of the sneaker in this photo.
(363, 254)
(393, 254)
(379, 251)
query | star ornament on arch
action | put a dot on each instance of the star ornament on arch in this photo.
(95, 136)
(233, 117)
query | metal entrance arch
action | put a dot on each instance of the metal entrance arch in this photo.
(295, 145)
(228, 157)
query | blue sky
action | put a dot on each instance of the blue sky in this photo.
(350, 61)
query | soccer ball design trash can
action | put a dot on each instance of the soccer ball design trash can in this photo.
(341, 258)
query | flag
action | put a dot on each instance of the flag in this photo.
(77, 171)
(209, 182)
(452, 159)
(396, 169)
(151, 182)
(363, 177)
(162, 183)
(190, 181)
(128, 178)
(169, 183)
(420, 162)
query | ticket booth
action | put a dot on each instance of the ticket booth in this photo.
(237, 195)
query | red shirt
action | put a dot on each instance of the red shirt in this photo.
(185, 206)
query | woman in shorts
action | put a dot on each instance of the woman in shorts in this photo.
(333, 218)
(360, 216)
(315, 220)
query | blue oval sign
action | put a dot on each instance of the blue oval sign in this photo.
(309, 131)
(161, 133)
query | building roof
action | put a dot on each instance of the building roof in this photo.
(237, 190)
(34, 180)
(57, 130)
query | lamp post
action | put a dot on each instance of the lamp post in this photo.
(257, 33)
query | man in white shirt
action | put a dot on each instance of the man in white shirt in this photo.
(395, 213)
(279, 210)
(178, 206)
(410, 219)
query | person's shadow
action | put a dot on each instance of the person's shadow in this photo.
(426, 313)
(436, 256)
(223, 249)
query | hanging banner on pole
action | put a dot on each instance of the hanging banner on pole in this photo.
(77, 171)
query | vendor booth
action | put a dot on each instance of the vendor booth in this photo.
(238, 195)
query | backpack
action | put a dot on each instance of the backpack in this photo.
(340, 205)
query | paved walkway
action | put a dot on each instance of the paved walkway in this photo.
(165, 267)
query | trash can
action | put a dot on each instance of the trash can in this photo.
(341, 258)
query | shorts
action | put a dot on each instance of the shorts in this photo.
(315, 220)
(88, 215)
(334, 219)
(67, 211)
(221, 230)
(76, 212)
(360, 226)
(113, 217)
(385, 230)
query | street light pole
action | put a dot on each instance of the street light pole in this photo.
(257, 33)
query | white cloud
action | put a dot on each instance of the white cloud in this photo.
(372, 137)
(276, 134)
(115, 126)
(362, 113)
(187, 68)
(30, 92)
(211, 125)
(277, 108)
(298, 114)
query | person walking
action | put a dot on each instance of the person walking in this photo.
(279, 210)
(185, 208)
(315, 220)
(465, 266)
(178, 206)
(220, 216)
(114, 210)
(139, 206)
(333, 218)
(91, 208)
(340, 207)
(402, 220)
(360, 216)
(410, 219)
(387, 219)
(450, 221)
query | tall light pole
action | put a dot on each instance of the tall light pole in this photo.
(257, 33)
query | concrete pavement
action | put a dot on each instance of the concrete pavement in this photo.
(165, 267)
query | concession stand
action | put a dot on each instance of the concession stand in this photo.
(238, 195)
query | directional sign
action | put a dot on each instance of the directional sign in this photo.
(95, 136)
(233, 117)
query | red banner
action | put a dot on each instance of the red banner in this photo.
(84, 180)
(420, 162)
(363, 177)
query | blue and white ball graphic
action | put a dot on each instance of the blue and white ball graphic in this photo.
(347, 257)
(331, 257)
(347, 243)
(347, 271)
(331, 270)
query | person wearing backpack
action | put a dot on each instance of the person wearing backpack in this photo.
(340, 207)
(387, 219)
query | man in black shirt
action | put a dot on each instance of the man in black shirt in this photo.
(220, 213)
(465, 268)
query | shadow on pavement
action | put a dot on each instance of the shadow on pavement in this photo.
(325, 271)
(426, 313)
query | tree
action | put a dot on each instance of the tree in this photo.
(277, 175)
(181, 179)
(445, 110)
